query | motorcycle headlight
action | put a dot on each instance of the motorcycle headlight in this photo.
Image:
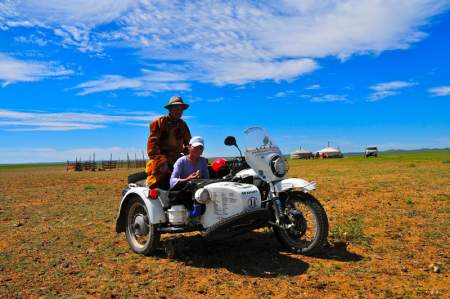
(202, 196)
(279, 166)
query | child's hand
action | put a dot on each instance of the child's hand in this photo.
(194, 175)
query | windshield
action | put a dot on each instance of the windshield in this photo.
(263, 156)
(257, 138)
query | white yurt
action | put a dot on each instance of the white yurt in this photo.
(301, 154)
(330, 152)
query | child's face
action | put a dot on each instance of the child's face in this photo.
(197, 151)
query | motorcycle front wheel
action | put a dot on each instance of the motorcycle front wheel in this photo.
(141, 235)
(306, 227)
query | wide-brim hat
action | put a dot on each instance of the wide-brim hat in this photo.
(176, 101)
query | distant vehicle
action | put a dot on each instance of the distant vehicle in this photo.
(371, 151)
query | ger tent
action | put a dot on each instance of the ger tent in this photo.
(330, 152)
(301, 154)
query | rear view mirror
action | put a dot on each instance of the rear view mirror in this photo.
(230, 140)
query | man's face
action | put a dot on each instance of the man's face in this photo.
(176, 112)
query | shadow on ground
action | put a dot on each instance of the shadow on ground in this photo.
(338, 251)
(253, 254)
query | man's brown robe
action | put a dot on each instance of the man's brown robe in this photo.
(168, 139)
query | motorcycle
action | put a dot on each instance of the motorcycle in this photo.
(255, 193)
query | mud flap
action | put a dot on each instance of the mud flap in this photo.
(238, 224)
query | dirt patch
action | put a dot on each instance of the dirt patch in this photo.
(4, 244)
(389, 237)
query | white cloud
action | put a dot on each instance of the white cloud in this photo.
(67, 121)
(313, 87)
(329, 98)
(72, 21)
(151, 81)
(32, 39)
(282, 94)
(89, 13)
(28, 126)
(267, 40)
(13, 70)
(230, 72)
(194, 100)
(387, 89)
(376, 96)
(440, 91)
(392, 85)
(233, 42)
(216, 100)
(39, 155)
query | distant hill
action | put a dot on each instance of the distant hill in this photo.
(394, 151)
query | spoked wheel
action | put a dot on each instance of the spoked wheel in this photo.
(306, 225)
(141, 234)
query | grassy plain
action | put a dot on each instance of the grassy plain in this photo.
(389, 238)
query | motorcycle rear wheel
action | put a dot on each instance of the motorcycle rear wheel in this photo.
(142, 236)
(310, 227)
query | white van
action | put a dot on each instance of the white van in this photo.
(371, 151)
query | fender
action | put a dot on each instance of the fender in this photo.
(154, 208)
(294, 183)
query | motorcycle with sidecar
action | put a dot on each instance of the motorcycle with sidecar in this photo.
(255, 193)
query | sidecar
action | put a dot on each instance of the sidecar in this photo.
(218, 209)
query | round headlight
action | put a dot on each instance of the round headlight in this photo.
(279, 166)
(202, 196)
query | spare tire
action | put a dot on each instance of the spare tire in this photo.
(135, 177)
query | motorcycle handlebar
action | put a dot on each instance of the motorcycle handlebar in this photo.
(236, 164)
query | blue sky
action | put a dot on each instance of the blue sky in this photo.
(88, 76)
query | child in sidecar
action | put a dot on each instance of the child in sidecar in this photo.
(190, 167)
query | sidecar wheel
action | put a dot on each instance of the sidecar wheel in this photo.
(141, 235)
(310, 225)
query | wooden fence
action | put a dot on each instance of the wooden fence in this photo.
(92, 165)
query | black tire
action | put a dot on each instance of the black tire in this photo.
(307, 246)
(138, 229)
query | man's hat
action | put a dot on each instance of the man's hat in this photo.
(175, 101)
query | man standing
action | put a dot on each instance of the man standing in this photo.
(169, 137)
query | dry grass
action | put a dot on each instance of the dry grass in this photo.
(389, 220)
